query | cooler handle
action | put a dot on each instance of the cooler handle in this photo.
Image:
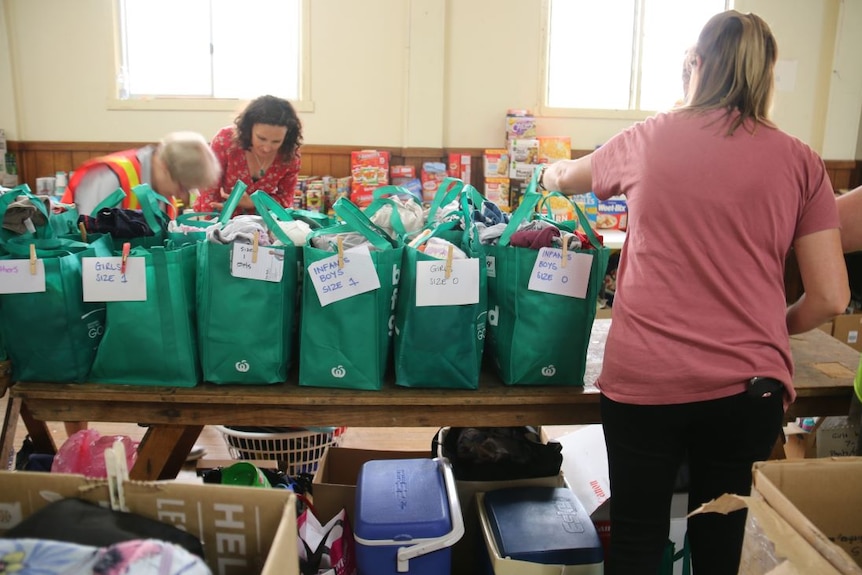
(413, 551)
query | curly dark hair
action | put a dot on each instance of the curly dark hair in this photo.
(272, 111)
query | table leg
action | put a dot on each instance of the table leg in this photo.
(40, 435)
(10, 423)
(163, 451)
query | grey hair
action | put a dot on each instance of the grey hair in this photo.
(189, 160)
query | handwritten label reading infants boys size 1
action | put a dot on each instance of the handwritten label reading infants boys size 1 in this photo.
(550, 276)
(333, 283)
(15, 277)
(434, 288)
(267, 266)
(104, 280)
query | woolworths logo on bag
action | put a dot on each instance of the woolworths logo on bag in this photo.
(242, 366)
(338, 371)
(549, 371)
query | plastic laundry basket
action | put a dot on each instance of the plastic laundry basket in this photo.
(299, 450)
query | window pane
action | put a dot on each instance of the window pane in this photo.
(167, 45)
(256, 48)
(670, 27)
(590, 54)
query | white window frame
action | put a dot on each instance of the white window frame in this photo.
(302, 104)
(544, 78)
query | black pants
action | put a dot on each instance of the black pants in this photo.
(646, 444)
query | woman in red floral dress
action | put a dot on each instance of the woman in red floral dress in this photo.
(262, 150)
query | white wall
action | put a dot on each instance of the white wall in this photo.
(411, 73)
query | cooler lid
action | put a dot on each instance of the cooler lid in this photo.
(401, 499)
(545, 525)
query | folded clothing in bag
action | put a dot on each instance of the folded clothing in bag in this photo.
(119, 222)
(78, 521)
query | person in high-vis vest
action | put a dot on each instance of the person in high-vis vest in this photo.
(180, 162)
(849, 210)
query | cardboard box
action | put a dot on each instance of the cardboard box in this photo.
(496, 163)
(612, 214)
(833, 436)
(244, 530)
(803, 517)
(846, 329)
(334, 485)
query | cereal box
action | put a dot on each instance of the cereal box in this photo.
(520, 124)
(589, 204)
(554, 148)
(496, 163)
(497, 191)
(460, 166)
(612, 214)
(370, 170)
(433, 174)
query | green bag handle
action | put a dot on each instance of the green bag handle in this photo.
(391, 190)
(271, 211)
(359, 222)
(24, 190)
(448, 189)
(113, 200)
(397, 223)
(526, 209)
(583, 221)
(232, 202)
(471, 232)
(45, 247)
(191, 219)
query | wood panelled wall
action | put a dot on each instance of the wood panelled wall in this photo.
(38, 159)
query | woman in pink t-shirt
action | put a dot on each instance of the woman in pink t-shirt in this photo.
(261, 150)
(697, 366)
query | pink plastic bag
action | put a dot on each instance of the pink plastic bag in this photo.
(84, 453)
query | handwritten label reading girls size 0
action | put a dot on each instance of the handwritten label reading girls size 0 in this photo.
(268, 266)
(15, 277)
(434, 288)
(550, 276)
(333, 283)
(104, 279)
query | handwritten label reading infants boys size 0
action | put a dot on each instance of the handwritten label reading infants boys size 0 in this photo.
(104, 280)
(356, 276)
(550, 276)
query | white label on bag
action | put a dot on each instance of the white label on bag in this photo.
(357, 276)
(550, 276)
(434, 288)
(491, 266)
(268, 266)
(15, 277)
(104, 280)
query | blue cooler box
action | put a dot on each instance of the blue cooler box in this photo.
(407, 517)
(538, 531)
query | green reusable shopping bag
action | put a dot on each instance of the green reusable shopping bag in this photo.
(347, 343)
(37, 229)
(245, 326)
(440, 346)
(151, 209)
(398, 226)
(56, 323)
(154, 342)
(534, 337)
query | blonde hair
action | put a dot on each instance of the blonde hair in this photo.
(189, 160)
(737, 61)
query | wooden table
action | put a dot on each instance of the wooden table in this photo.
(825, 369)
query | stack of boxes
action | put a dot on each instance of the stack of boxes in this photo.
(8, 170)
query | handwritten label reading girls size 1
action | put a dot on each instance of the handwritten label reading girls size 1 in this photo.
(105, 281)
(269, 265)
(434, 288)
(550, 276)
(356, 276)
(15, 277)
